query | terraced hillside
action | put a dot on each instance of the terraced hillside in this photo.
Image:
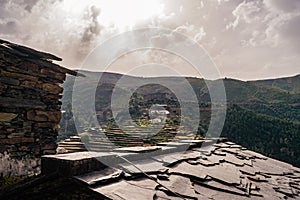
(262, 116)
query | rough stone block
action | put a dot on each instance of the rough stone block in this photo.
(9, 81)
(54, 116)
(52, 88)
(45, 125)
(2, 136)
(31, 67)
(55, 75)
(11, 110)
(3, 86)
(44, 116)
(32, 115)
(24, 148)
(56, 97)
(8, 148)
(16, 140)
(49, 152)
(16, 103)
(28, 83)
(51, 146)
(7, 117)
(16, 135)
(19, 76)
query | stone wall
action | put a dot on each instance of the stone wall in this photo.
(30, 94)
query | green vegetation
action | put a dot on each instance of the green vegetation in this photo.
(279, 110)
(271, 136)
(85, 138)
(289, 84)
(8, 180)
(263, 116)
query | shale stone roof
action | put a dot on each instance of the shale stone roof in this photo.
(222, 171)
(206, 171)
(13, 53)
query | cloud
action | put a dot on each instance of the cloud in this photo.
(27, 4)
(48, 26)
(246, 11)
(283, 5)
(290, 31)
(241, 35)
(8, 26)
(93, 27)
(195, 32)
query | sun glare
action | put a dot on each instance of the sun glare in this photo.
(121, 14)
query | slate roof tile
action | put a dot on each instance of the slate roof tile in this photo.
(222, 187)
(205, 162)
(161, 195)
(271, 168)
(138, 189)
(100, 177)
(26, 53)
(199, 173)
(212, 193)
(185, 169)
(215, 159)
(147, 166)
(167, 160)
(224, 171)
(230, 158)
(180, 185)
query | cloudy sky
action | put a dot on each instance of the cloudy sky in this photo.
(247, 39)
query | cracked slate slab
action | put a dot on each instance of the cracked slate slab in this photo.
(103, 176)
(224, 188)
(226, 173)
(186, 169)
(137, 189)
(204, 192)
(146, 166)
(179, 184)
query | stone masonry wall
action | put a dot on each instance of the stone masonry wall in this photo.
(30, 104)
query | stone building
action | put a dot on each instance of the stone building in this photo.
(30, 107)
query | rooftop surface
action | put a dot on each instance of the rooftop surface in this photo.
(205, 171)
(32, 55)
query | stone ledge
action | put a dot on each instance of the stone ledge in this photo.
(73, 164)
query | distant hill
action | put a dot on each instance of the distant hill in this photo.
(290, 84)
(262, 115)
(255, 96)
(264, 99)
(237, 91)
(242, 92)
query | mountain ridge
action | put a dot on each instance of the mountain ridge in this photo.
(271, 110)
